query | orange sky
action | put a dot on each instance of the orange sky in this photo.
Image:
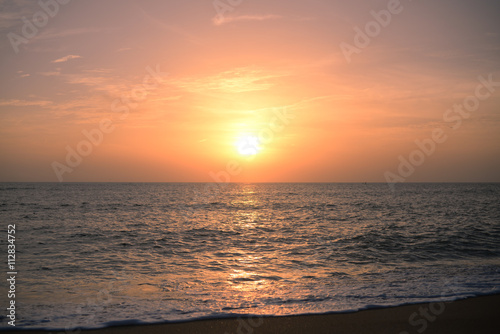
(274, 70)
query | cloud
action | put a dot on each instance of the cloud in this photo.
(233, 81)
(24, 103)
(99, 70)
(22, 74)
(100, 80)
(93, 81)
(50, 34)
(12, 12)
(66, 58)
(171, 28)
(218, 20)
(50, 74)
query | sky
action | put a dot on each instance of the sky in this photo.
(250, 91)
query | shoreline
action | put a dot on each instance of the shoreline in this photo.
(470, 315)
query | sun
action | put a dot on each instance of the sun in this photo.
(247, 145)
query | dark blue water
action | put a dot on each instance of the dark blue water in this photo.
(92, 254)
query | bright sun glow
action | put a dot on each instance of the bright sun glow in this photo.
(247, 145)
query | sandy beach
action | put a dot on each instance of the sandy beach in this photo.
(472, 315)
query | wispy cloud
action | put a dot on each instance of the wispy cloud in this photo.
(92, 81)
(50, 74)
(99, 70)
(218, 21)
(233, 81)
(100, 80)
(22, 74)
(12, 12)
(172, 28)
(55, 34)
(66, 58)
(24, 103)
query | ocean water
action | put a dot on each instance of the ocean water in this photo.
(91, 255)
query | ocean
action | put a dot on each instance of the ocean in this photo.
(91, 255)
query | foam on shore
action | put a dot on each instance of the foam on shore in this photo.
(472, 315)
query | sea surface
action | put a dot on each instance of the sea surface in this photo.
(92, 255)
